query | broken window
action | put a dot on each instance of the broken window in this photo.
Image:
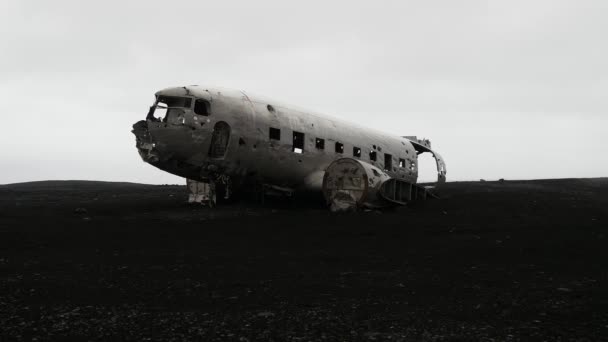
(339, 147)
(201, 107)
(401, 162)
(175, 101)
(320, 143)
(160, 109)
(298, 142)
(170, 106)
(356, 151)
(274, 133)
(388, 162)
(372, 155)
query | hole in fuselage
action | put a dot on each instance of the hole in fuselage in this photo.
(427, 168)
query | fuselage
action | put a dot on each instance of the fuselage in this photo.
(208, 132)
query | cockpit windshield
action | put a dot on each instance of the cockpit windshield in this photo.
(166, 106)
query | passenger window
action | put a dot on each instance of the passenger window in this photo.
(274, 133)
(356, 151)
(201, 107)
(401, 162)
(388, 162)
(298, 142)
(372, 155)
(339, 147)
(320, 143)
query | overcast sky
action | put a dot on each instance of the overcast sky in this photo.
(504, 89)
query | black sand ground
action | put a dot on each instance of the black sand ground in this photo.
(519, 260)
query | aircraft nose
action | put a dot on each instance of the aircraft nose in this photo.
(145, 145)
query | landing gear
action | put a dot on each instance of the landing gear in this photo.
(210, 191)
(201, 192)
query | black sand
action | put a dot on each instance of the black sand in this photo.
(519, 260)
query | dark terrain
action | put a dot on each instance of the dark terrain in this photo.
(490, 261)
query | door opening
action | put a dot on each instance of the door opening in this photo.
(219, 140)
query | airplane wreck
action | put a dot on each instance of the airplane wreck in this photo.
(224, 141)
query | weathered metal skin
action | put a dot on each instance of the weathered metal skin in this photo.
(181, 145)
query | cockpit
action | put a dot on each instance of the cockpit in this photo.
(172, 108)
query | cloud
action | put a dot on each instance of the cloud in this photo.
(77, 75)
